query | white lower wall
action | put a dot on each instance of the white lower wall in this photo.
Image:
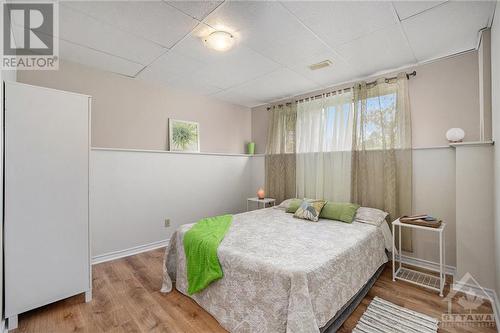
(434, 194)
(258, 173)
(475, 214)
(133, 192)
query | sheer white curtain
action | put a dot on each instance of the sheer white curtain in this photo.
(323, 146)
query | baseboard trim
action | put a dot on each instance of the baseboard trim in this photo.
(129, 252)
(427, 264)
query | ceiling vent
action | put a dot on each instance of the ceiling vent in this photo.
(320, 65)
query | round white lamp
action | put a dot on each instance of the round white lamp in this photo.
(455, 134)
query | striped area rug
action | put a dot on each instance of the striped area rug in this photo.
(384, 317)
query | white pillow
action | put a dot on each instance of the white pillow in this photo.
(284, 204)
(370, 215)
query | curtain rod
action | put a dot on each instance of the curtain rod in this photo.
(408, 75)
(335, 92)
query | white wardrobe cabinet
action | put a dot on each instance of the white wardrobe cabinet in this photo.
(46, 201)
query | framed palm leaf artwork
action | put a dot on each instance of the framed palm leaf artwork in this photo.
(183, 135)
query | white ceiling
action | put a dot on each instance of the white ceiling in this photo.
(276, 41)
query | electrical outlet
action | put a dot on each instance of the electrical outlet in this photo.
(167, 223)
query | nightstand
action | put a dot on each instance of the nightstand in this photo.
(412, 276)
(265, 202)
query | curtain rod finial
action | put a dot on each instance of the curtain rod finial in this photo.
(414, 73)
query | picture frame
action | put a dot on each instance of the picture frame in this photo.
(183, 136)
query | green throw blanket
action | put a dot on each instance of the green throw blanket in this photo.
(200, 246)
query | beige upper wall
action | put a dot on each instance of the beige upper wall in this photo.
(129, 113)
(444, 94)
(259, 128)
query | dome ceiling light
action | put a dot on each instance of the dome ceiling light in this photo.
(220, 41)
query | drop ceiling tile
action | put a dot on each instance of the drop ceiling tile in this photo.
(84, 30)
(239, 65)
(277, 85)
(406, 9)
(305, 53)
(186, 83)
(174, 63)
(238, 15)
(193, 85)
(337, 22)
(152, 20)
(96, 59)
(234, 98)
(155, 74)
(447, 29)
(381, 50)
(196, 9)
(89, 57)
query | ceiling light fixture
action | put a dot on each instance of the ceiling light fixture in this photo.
(219, 41)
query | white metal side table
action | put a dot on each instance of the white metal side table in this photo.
(265, 202)
(410, 275)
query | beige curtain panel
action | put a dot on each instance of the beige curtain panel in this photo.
(280, 153)
(381, 149)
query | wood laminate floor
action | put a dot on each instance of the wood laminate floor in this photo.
(127, 299)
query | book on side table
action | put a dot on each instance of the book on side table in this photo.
(422, 220)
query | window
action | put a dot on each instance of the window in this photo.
(378, 127)
(325, 125)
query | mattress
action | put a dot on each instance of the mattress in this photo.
(282, 274)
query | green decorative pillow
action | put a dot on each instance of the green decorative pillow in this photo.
(293, 205)
(344, 212)
(309, 210)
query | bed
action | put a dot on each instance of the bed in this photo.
(283, 274)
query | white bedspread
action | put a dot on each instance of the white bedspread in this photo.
(282, 274)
